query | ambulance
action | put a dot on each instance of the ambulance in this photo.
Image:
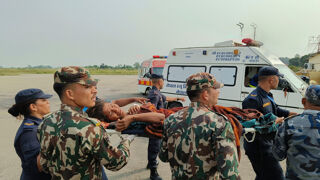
(154, 65)
(235, 65)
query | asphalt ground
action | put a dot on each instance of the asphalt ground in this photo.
(109, 87)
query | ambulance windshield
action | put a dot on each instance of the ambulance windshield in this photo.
(157, 70)
(292, 77)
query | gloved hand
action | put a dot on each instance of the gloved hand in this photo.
(128, 137)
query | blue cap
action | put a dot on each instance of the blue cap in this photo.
(30, 94)
(269, 71)
(156, 76)
(313, 94)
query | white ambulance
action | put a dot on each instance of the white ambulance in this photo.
(235, 65)
(154, 65)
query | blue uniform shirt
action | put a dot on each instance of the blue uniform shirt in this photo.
(27, 147)
(298, 140)
(262, 101)
(156, 98)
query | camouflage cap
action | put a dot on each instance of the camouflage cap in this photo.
(202, 80)
(313, 94)
(74, 74)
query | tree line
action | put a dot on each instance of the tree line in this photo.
(297, 62)
(136, 65)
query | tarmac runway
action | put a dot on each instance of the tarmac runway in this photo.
(109, 87)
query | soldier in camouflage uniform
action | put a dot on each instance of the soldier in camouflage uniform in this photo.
(298, 139)
(74, 146)
(198, 143)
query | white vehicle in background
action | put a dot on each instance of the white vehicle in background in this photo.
(154, 65)
(233, 64)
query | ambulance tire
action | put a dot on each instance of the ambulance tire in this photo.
(146, 93)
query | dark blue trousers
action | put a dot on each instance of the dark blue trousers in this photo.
(262, 160)
(104, 175)
(153, 151)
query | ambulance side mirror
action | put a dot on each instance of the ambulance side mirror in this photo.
(284, 85)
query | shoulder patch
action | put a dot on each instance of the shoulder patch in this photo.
(266, 104)
(29, 124)
(94, 121)
(253, 95)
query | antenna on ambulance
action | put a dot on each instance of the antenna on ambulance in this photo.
(254, 25)
(241, 25)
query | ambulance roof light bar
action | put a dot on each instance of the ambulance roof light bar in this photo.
(245, 42)
(157, 56)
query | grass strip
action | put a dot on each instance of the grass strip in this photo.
(94, 71)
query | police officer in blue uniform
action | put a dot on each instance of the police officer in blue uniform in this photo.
(32, 104)
(158, 99)
(259, 151)
(298, 139)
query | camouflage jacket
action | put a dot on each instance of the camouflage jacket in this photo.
(74, 146)
(199, 144)
(298, 140)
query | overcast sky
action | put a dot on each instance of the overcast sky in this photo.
(78, 32)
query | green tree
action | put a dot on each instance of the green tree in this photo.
(136, 65)
(298, 60)
(294, 61)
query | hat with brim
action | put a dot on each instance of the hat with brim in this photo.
(74, 74)
(202, 80)
(313, 94)
(26, 95)
(269, 71)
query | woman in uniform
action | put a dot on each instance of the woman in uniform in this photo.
(31, 105)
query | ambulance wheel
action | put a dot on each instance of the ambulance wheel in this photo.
(146, 93)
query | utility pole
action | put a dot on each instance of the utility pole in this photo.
(254, 25)
(315, 41)
(241, 25)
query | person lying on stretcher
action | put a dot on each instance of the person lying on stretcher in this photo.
(113, 117)
(146, 120)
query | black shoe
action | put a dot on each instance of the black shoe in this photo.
(154, 174)
(148, 165)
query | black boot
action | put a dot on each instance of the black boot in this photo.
(148, 166)
(154, 174)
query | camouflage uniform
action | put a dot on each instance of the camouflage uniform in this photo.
(198, 143)
(298, 140)
(74, 146)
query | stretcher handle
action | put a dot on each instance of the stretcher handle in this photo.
(249, 130)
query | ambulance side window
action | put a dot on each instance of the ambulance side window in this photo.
(181, 73)
(251, 79)
(146, 72)
(251, 76)
(225, 74)
(141, 73)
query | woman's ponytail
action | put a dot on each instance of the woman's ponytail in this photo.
(13, 111)
(21, 109)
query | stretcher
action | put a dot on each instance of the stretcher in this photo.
(245, 132)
